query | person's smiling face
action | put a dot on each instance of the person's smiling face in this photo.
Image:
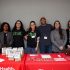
(5, 28)
(57, 25)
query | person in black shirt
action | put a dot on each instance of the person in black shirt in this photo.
(68, 35)
(31, 38)
(18, 34)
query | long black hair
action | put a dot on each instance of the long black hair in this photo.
(60, 29)
(21, 28)
(68, 24)
(2, 25)
(30, 29)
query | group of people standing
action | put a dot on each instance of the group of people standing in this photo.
(44, 38)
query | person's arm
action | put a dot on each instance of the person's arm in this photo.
(68, 46)
(38, 38)
(26, 35)
(0, 42)
(24, 32)
(64, 38)
(38, 32)
(37, 45)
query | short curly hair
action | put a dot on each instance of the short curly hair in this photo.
(2, 25)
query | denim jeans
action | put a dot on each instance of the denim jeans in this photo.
(46, 49)
(29, 50)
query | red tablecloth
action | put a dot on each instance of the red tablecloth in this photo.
(56, 62)
(37, 62)
(12, 65)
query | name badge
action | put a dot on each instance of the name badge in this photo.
(45, 37)
(33, 36)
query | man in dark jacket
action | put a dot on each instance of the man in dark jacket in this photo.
(44, 31)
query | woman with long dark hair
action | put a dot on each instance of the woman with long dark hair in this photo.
(58, 37)
(18, 34)
(6, 37)
(31, 38)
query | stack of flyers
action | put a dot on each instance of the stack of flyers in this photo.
(4, 51)
(17, 56)
(13, 53)
(21, 50)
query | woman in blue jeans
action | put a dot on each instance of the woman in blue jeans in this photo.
(31, 37)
